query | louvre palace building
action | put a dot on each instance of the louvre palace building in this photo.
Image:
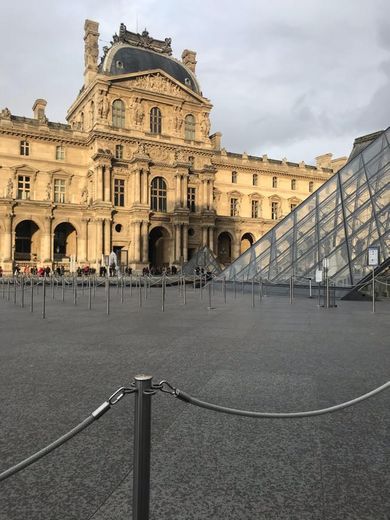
(135, 169)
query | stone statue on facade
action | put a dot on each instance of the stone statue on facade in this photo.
(84, 195)
(5, 113)
(10, 188)
(205, 125)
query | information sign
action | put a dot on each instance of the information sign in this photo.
(373, 256)
(318, 275)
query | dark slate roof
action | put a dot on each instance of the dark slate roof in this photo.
(132, 59)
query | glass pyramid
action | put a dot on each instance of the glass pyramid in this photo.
(348, 213)
(203, 259)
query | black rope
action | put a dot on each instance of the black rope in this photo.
(274, 415)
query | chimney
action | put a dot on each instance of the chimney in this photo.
(39, 109)
(216, 140)
(91, 50)
(189, 59)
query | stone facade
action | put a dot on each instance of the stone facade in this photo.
(136, 171)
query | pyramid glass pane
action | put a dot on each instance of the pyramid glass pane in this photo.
(346, 215)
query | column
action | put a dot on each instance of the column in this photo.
(177, 242)
(83, 241)
(137, 186)
(99, 182)
(209, 194)
(145, 187)
(46, 240)
(107, 183)
(145, 242)
(178, 190)
(99, 239)
(205, 194)
(185, 243)
(130, 190)
(137, 240)
(7, 238)
(204, 236)
(211, 238)
(236, 247)
(185, 190)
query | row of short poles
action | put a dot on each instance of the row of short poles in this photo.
(133, 285)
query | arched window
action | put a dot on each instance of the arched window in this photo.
(119, 151)
(311, 186)
(255, 179)
(234, 177)
(293, 184)
(274, 182)
(158, 194)
(155, 120)
(118, 114)
(189, 127)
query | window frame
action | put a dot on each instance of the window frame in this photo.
(234, 177)
(119, 151)
(155, 121)
(158, 194)
(24, 148)
(274, 182)
(255, 179)
(293, 184)
(59, 194)
(60, 152)
(311, 186)
(23, 193)
(191, 199)
(119, 190)
(189, 127)
(118, 114)
(234, 207)
(255, 208)
(275, 208)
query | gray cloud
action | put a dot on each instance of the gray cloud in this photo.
(293, 78)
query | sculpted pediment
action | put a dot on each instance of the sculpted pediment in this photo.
(158, 82)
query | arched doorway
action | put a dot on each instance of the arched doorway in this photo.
(225, 248)
(159, 248)
(246, 242)
(27, 241)
(65, 241)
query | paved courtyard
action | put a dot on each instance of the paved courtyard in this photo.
(205, 465)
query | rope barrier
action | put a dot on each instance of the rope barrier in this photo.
(94, 416)
(183, 396)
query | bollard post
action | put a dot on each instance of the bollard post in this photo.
(107, 296)
(142, 447)
(139, 292)
(201, 286)
(131, 285)
(291, 289)
(224, 289)
(22, 292)
(52, 287)
(122, 290)
(44, 299)
(327, 292)
(163, 293)
(253, 293)
(184, 292)
(194, 280)
(310, 290)
(94, 285)
(319, 294)
(32, 295)
(82, 283)
(373, 289)
(8, 290)
(145, 287)
(89, 293)
(234, 288)
(210, 307)
(14, 290)
(63, 289)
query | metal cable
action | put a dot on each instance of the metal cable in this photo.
(275, 415)
(101, 410)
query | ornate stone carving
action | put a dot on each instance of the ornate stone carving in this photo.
(138, 111)
(158, 83)
(103, 105)
(10, 188)
(5, 114)
(205, 124)
(143, 40)
(178, 118)
(48, 191)
(84, 195)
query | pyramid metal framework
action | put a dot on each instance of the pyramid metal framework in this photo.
(339, 221)
(204, 259)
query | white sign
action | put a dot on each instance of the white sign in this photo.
(318, 275)
(373, 256)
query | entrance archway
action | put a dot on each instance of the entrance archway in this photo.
(159, 248)
(27, 240)
(65, 241)
(225, 248)
(246, 242)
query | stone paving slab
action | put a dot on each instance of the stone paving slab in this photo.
(205, 465)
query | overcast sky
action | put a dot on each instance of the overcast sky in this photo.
(289, 78)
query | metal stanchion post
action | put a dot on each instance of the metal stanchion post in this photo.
(52, 287)
(89, 293)
(290, 289)
(145, 287)
(14, 290)
(373, 289)
(94, 285)
(319, 294)
(142, 447)
(44, 299)
(22, 292)
(201, 286)
(139, 292)
(310, 290)
(8, 290)
(32, 295)
(63, 288)
(131, 285)
(82, 284)
(122, 290)
(107, 295)
(224, 289)
(327, 292)
(194, 280)
(234, 288)
(163, 293)
(253, 293)
(210, 291)
(184, 292)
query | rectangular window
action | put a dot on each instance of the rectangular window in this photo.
(24, 187)
(60, 153)
(191, 199)
(119, 192)
(274, 182)
(255, 209)
(59, 190)
(233, 207)
(274, 210)
(24, 148)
